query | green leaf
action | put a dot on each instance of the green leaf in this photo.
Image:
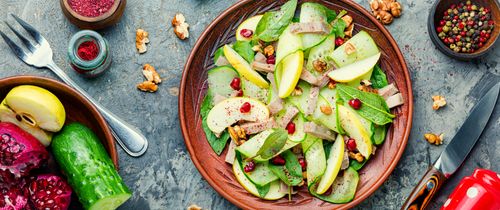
(327, 146)
(330, 14)
(357, 165)
(217, 144)
(379, 79)
(379, 133)
(274, 23)
(218, 53)
(291, 172)
(339, 25)
(244, 48)
(273, 144)
(373, 106)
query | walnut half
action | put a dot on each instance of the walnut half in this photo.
(150, 74)
(181, 28)
(141, 39)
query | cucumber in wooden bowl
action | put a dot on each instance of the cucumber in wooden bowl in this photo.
(88, 168)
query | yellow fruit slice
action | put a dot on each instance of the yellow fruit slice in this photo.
(249, 24)
(353, 126)
(290, 70)
(333, 165)
(244, 68)
(355, 70)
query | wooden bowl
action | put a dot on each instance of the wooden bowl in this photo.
(220, 175)
(436, 14)
(107, 19)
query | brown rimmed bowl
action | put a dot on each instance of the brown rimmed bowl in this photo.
(220, 175)
(107, 19)
(436, 14)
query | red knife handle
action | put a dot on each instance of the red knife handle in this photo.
(421, 196)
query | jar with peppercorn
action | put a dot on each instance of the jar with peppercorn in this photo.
(89, 53)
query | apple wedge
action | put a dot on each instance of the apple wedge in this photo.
(249, 24)
(227, 112)
(332, 166)
(288, 73)
(355, 70)
(244, 68)
(353, 126)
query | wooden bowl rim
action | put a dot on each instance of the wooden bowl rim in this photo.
(183, 120)
(102, 17)
(447, 51)
(35, 80)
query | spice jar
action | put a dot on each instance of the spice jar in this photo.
(93, 14)
(89, 53)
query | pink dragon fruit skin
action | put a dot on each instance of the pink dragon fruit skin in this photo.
(20, 152)
(59, 197)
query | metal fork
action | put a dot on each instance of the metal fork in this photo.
(39, 55)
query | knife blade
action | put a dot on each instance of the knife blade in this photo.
(455, 153)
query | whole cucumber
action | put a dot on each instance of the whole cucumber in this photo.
(89, 168)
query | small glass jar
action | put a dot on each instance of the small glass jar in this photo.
(89, 66)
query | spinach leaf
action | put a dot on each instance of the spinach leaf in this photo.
(273, 144)
(291, 172)
(244, 48)
(217, 144)
(330, 14)
(274, 23)
(339, 25)
(357, 165)
(263, 190)
(379, 133)
(218, 53)
(373, 106)
(327, 146)
(379, 79)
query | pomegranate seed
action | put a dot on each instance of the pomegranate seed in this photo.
(469, 7)
(290, 128)
(470, 23)
(240, 93)
(455, 17)
(339, 41)
(355, 103)
(303, 163)
(245, 108)
(328, 192)
(278, 160)
(439, 29)
(249, 167)
(486, 10)
(247, 33)
(351, 144)
(442, 22)
(271, 59)
(236, 83)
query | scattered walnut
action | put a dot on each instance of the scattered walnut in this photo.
(237, 134)
(395, 9)
(320, 65)
(332, 84)
(349, 48)
(385, 10)
(257, 48)
(385, 17)
(356, 156)
(327, 110)
(297, 91)
(368, 89)
(347, 19)
(141, 39)
(194, 207)
(150, 73)
(439, 101)
(147, 86)
(181, 28)
(348, 31)
(434, 139)
(241, 132)
(269, 50)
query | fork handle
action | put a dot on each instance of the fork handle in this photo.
(128, 137)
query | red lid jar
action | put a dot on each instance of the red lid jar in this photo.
(93, 14)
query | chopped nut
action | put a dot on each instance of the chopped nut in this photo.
(147, 86)
(269, 50)
(347, 19)
(395, 9)
(141, 39)
(332, 84)
(240, 132)
(304, 174)
(234, 135)
(349, 48)
(297, 91)
(374, 5)
(194, 207)
(356, 156)
(320, 65)
(385, 17)
(434, 139)
(326, 109)
(368, 89)
(181, 28)
(150, 73)
(257, 48)
(366, 82)
(385, 10)
(439, 101)
(348, 31)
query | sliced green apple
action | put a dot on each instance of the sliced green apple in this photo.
(290, 71)
(227, 112)
(355, 70)
(274, 189)
(244, 68)
(353, 126)
(249, 24)
(332, 166)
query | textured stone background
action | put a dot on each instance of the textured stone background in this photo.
(165, 177)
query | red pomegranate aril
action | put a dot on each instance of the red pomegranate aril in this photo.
(50, 192)
(249, 167)
(290, 128)
(482, 34)
(303, 163)
(351, 144)
(240, 93)
(236, 83)
(482, 40)
(278, 160)
(487, 36)
(339, 41)
(486, 10)
(355, 103)
(271, 59)
(245, 108)
(247, 33)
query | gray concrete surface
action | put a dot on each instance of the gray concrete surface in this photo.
(165, 177)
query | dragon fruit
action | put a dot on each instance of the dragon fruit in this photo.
(12, 198)
(49, 192)
(20, 152)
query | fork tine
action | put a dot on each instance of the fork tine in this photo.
(25, 41)
(22, 54)
(32, 31)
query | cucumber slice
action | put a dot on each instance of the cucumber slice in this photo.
(315, 156)
(308, 142)
(262, 175)
(343, 188)
(252, 146)
(299, 134)
(312, 12)
(329, 121)
(253, 91)
(302, 100)
(364, 45)
(320, 52)
(288, 43)
(219, 80)
(329, 95)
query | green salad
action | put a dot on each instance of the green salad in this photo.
(301, 100)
